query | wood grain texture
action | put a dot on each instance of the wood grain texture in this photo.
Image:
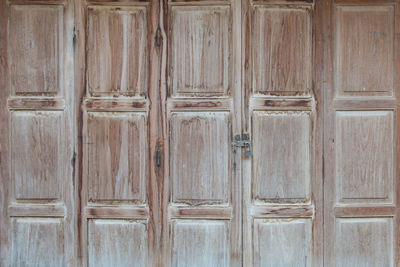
(117, 50)
(281, 51)
(364, 242)
(360, 126)
(282, 242)
(200, 243)
(200, 48)
(36, 155)
(364, 156)
(199, 157)
(36, 49)
(117, 243)
(364, 50)
(37, 242)
(281, 156)
(116, 149)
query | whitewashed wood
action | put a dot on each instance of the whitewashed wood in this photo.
(281, 156)
(37, 242)
(364, 242)
(36, 155)
(117, 243)
(200, 48)
(361, 132)
(36, 49)
(199, 157)
(364, 156)
(200, 243)
(282, 242)
(364, 50)
(116, 146)
(281, 50)
(117, 50)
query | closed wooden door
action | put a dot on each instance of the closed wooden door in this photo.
(361, 124)
(199, 133)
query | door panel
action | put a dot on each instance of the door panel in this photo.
(282, 220)
(274, 238)
(281, 49)
(117, 242)
(288, 135)
(361, 134)
(37, 137)
(117, 223)
(203, 114)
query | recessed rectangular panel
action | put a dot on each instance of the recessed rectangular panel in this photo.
(200, 243)
(281, 156)
(282, 242)
(364, 50)
(364, 242)
(200, 50)
(199, 157)
(117, 243)
(35, 49)
(37, 242)
(117, 50)
(281, 50)
(116, 156)
(36, 154)
(364, 156)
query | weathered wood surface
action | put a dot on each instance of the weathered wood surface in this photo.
(117, 121)
(361, 133)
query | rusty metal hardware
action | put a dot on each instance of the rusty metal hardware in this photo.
(243, 141)
(158, 157)
(158, 38)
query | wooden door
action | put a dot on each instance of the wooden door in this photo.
(282, 179)
(203, 105)
(199, 133)
(119, 133)
(361, 145)
(37, 134)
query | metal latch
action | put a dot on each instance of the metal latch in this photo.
(243, 141)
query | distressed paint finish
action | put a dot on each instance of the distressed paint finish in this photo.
(281, 156)
(364, 156)
(116, 147)
(282, 242)
(364, 242)
(281, 50)
(36, 49)
(364, 50)
(200, 243)
(117, 50)
(199, 157)
(117, 243)
(36, 155)
(200, 50)
(37, 242)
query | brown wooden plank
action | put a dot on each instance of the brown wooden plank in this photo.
(200, 212)
(36, 211)
(362, 211)
(116, 212)
(114, 105)
(4, 144)
(36, 104)
(293, 211)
